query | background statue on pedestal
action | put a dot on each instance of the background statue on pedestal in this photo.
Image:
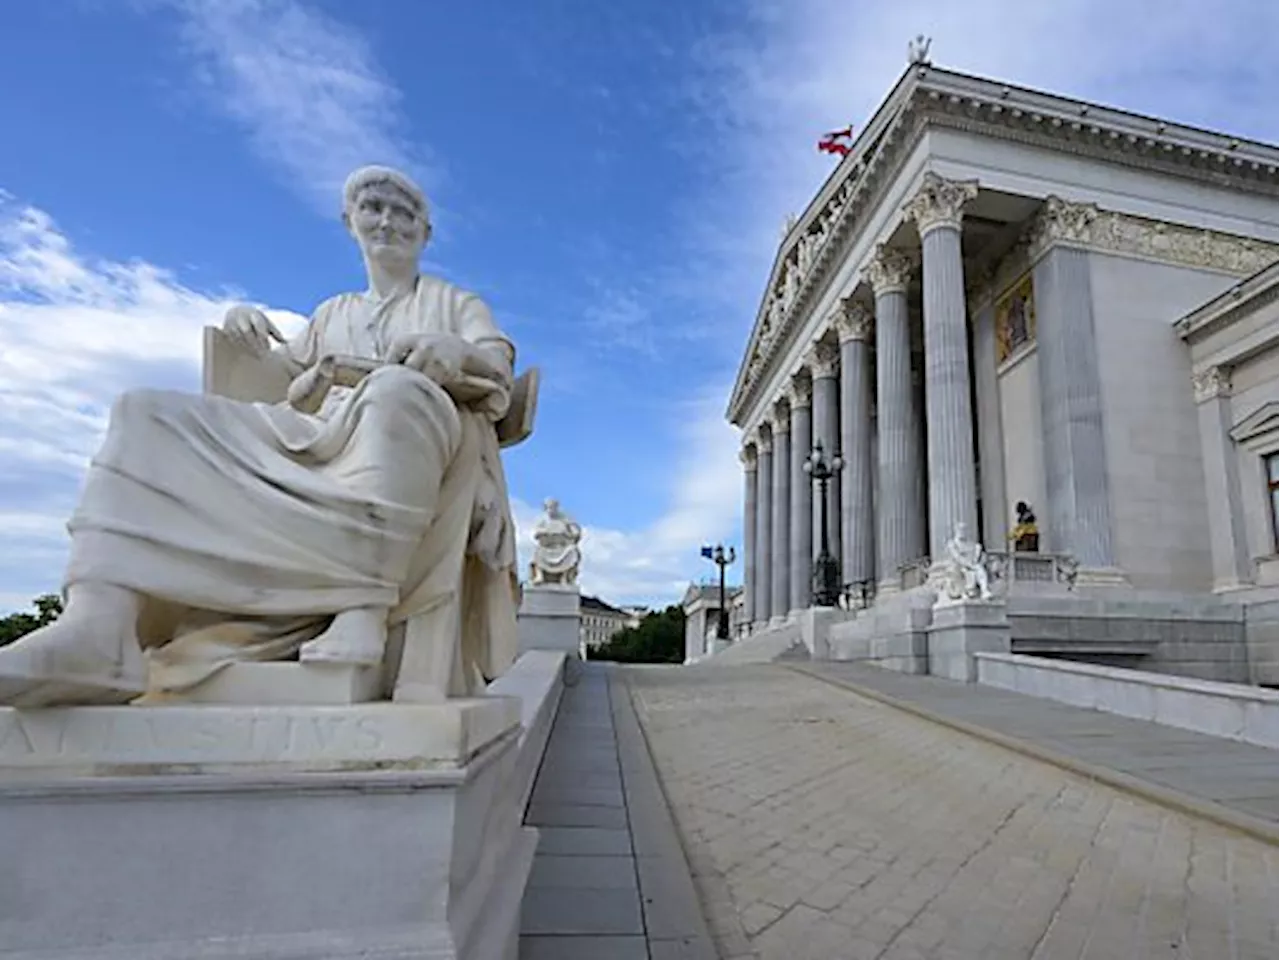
(363, 493)
(1025, 534)
(964, 570)
(556, 555)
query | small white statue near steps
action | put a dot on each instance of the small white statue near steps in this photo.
(556, 556)
(964, 572)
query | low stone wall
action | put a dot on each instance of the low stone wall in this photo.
(893, 634)
(1233, 711)
(1187, 636)
(537, 681)
(1262, 637)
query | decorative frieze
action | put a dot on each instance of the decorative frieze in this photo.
(800, 390)
(1085, 225)
(939, 202)
(854, 320)
(1210, 383)
(888, 270)
(824, 359)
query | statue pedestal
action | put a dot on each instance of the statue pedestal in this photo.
(550, 618)
(276, 832)
(962, 628)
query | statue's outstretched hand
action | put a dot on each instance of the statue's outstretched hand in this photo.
(438, 355)
(251, 328)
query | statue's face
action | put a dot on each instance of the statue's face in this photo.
(387, 224)
(551, 506)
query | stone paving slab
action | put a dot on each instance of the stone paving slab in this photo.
(1231, 781)
(609, 879)
(821, 825)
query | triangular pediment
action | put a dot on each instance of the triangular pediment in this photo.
(1263, 419)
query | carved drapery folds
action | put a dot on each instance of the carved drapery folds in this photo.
(888, 270)
(1210, 383)
(939, 202)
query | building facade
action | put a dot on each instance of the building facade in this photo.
(1005, 296)
(701, 604)
(600, 621)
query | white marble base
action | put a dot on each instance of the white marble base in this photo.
(550, 618)
(960, 630)
(220, 832)
(285, 683)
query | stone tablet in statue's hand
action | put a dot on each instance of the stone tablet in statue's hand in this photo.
(438, 355)
(251, 328)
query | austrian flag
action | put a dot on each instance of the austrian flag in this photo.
(837, 141)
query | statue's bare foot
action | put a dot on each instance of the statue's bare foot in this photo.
(88, 656)
(357, 637)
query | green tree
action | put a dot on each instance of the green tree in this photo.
(20, 624)
(659, 638)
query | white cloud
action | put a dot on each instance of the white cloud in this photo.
(77, 331)
(306, 89)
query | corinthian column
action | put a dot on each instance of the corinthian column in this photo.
(937, 210)
(900, 481)
(824, 363)
(748, 458)
(764, 523)
(858, 536)
(780, 574)
(801, 397)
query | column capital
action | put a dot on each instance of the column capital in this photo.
(800, 390)
(747, 457)
(939, 202)
(823, 359)
(781, 411)
(764, 438)
(1210, 383)
(888, 270)
(854, 320)
(1060, 221)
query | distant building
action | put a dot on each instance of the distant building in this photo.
(701, 603)
(600, 621)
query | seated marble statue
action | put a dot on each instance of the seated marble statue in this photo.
(212, 530)
(556, 555)
(964, 573)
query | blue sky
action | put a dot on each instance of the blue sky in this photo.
(612, 178)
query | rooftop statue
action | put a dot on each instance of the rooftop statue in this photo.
(324, 493)
(556, 556)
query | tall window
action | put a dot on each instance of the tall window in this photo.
(1272, 460)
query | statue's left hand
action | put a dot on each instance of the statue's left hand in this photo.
(438, 355)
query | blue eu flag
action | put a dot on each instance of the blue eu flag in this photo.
(708, 552)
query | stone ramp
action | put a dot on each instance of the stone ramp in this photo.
(609, 880)
(1228, 781)
(821, 825)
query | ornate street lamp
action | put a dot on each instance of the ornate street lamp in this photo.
(721, 559)
(826, 568)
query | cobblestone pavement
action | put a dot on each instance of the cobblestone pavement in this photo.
(821, 824)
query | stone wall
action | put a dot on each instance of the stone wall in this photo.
(1262, 635)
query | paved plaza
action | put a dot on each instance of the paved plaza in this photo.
(821, 823)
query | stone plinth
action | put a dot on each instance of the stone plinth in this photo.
(179, 832)
(550, 618)
(962, 629)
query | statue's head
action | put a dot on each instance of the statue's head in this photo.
(962, 531)
(387, 214)
(551, 505)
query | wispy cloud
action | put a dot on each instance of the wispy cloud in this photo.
(78, 330)
(306, 89)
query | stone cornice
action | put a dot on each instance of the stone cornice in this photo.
(855, 320)
(927, 96)
(1250, 293)
(888, 270)
(939, 202)
(1210, 383)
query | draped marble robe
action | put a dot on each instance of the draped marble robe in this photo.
(247, 526)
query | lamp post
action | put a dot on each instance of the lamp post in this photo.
(826, 568)
(721, 558)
